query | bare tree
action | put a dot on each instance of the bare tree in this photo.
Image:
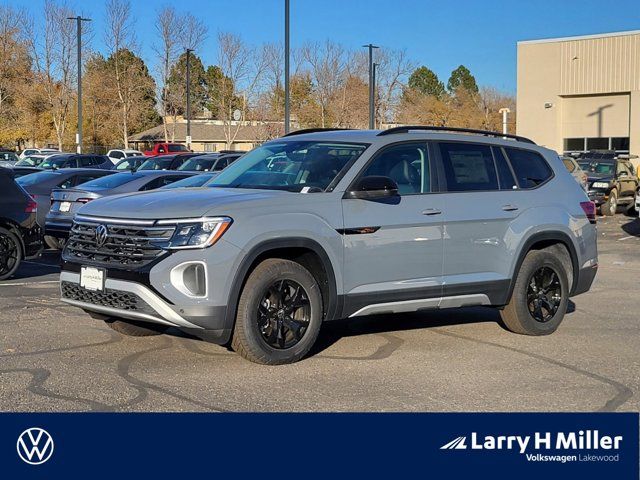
(54, 60)
(242, 69)
(393, 69)
(327, 65)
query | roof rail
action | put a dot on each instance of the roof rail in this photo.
(313, 130)
(487, 133)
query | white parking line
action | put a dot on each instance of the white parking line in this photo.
(626, 238)
(22, 284)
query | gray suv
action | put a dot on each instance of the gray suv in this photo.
(330, 224)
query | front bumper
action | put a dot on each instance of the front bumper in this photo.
(598, 196)
(135, 301)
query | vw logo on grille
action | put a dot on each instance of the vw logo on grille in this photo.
(35, 446)
(102, 233)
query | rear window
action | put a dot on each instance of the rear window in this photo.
(33, 178)
(530, 168)
(111, 181)
(177, 148)
(468, 167)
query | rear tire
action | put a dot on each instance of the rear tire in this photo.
(540, 295)
(610, 207)
(279, 315)
(10, 253)
(132, 328)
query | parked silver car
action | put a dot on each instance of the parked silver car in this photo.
(323, 225)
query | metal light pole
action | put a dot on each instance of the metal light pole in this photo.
(371, 87)
(188, 139)
(287, 93)
(505, 115)
(79, 21)
(374, 82)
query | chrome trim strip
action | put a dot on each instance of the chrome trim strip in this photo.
(118, 221)
(168, 316)
(414, 305)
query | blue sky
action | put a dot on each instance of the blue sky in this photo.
(439, 34)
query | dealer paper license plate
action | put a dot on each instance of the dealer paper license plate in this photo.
(92, 278)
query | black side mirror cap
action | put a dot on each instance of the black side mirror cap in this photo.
(372, 188)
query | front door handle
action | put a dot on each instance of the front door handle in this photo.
(509, 208)
(431, 211)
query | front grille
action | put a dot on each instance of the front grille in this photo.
(109, 298)
(126, 246)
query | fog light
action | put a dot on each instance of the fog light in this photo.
(190, 279)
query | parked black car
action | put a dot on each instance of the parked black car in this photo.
(167, 162)
(612, 182)
(20, 235)
(74, 160)
(39, 186)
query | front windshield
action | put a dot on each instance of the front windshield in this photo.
(156, 164)
(598, 167)
(290, 165)
(110, 181)
(31, 161)
(198, 164)
(56, 161)
(195, 181)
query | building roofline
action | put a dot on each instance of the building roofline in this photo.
(580, 37)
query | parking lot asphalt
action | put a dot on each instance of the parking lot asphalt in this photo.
(54, 357)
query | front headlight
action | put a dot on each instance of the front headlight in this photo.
(600, 185)
(196, 233)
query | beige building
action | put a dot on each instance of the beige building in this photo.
(581, 93)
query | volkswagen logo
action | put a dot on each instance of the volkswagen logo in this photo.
(101, 235)
(35, 446)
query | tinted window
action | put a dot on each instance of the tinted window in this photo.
(468, 167)
(161, 182)
(67, 183)
(86, 178)
(406, 164)
(156, 164)
(530, 168)
(574, 144)
(177, 148)
(597, 143)
(117, 155)
(505, 176)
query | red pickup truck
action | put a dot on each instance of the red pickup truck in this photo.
(165, 148)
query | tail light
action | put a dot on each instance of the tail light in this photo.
(84, 200)
(589, 209)
(31, 207)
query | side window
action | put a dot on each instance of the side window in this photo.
(530, 168)
(85, 161)
(220, 165)
(468, 167)
(569, 165)
(407, 164)
(153, 184)
(622, 168)
(123, 165)
(505, 175)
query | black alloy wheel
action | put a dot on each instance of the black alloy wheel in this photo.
(284, 314)
(9, 254)
(544, 294)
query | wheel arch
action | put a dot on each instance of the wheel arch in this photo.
(540, 241)
(293, 248)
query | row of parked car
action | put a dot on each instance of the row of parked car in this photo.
(40, 200)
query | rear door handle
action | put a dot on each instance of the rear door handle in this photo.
(509, 208)
(431, 211)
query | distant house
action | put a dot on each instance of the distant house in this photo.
(209, 135)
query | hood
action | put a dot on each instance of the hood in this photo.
(175, 203)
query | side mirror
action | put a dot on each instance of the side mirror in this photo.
(373, 188)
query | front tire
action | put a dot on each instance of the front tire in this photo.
(279, 315)
(10, 253)
(610, 207)
(540, 295)
(132, 328)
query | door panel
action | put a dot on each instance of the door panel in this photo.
(400, 258)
